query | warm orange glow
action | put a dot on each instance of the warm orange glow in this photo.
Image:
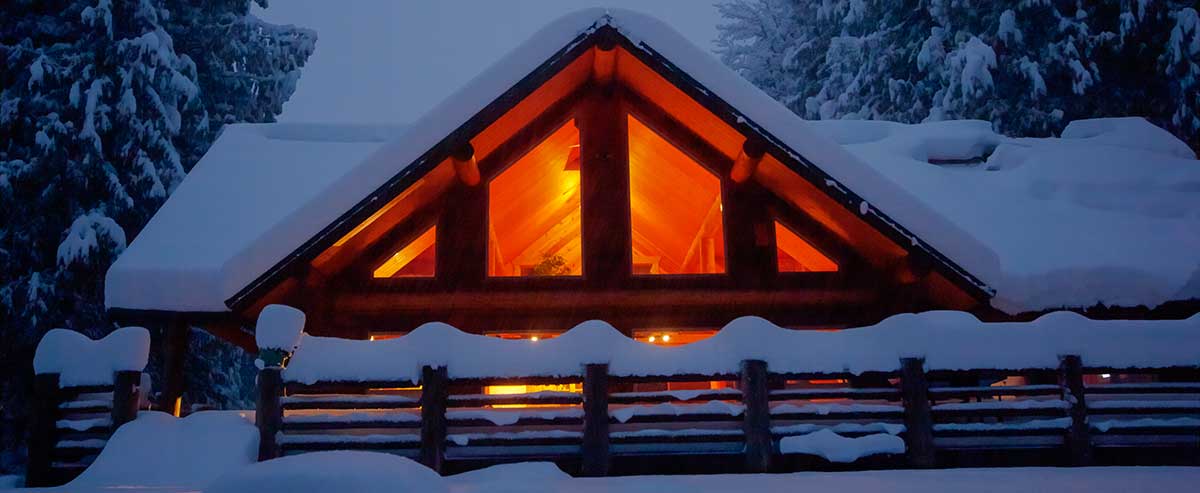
(528, 389)
(534, 211)
(534, 338)
(797, 255)
(672, 336)
(675, 207)
(416, 259)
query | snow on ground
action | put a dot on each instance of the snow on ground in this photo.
(80, 360)
(160, 451)
(1110, 213)
(337, 471)
(947, 340)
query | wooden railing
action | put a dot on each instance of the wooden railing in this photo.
(71, 424)
(941, 416)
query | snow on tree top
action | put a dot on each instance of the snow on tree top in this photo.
(264, 190)
(79, 360)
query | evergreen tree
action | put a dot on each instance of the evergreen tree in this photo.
(104, 112)
(1028, 66)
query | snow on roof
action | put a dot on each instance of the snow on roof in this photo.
(264, 190)
(1110, 213)
(196, 250)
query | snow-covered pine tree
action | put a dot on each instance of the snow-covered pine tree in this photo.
(1028, 66)
(103, 114)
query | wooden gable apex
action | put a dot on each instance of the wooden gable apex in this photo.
(668, 100)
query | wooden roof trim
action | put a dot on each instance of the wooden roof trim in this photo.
(664, 68)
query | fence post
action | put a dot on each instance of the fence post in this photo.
(1079, 441)
(125, 397)
(595, 447)
(435, 396)
(918, 417)
(44, 432)
(268, 415)
(756, 419)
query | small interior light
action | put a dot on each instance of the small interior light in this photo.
(652, 338)
(372, 338)
(666, 338)
(1105, 375)
(534, 338)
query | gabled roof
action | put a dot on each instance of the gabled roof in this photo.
(194, 256)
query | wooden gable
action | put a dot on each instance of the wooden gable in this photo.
(655, 204)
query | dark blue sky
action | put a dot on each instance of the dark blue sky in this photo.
(391, 61)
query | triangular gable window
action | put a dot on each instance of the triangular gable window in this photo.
(416, 259)
(675, 207)
(798, 255)
(534, 216)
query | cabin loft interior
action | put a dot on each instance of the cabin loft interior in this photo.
(605, 186)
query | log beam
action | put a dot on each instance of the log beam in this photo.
(465, 165)
(747, 161)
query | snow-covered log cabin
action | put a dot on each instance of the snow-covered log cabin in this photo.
(608, 169)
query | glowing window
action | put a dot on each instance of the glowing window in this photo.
(675, 207)
(416, 259)
(797, 255)
(533, 211)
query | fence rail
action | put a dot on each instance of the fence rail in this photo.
(71, 424)
(439, 420)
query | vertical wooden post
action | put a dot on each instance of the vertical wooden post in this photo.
(435, 396)
(1079, 441)
(595, 447)
(44, 433)
(756, 419)
(750, 253)
(462, 237)
(174, 353)
(918, 417)
(125, 397)
(604, 180)
(268, 412)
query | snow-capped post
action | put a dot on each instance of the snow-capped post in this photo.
(278, 333)
(43, 434)
(1079, 441)
(918, 415)
(435, 397)
(756, 420)
(125, 396)
(595, 448)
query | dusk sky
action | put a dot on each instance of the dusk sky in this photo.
(388, 61)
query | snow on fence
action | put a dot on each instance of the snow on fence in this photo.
(84, 390)
(937, 382)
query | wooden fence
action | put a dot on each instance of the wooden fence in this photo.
(71, 424)
(1067, 415)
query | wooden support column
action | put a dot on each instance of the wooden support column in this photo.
(604, 178)
(125, 397)
(918, 415)
(1079, 441)
(756, 420)
(268, 412)
(595, 448)
(462, 237)
(43, 434)
(435, 397)
(750, 252)
(175, 344)
(465, 165)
